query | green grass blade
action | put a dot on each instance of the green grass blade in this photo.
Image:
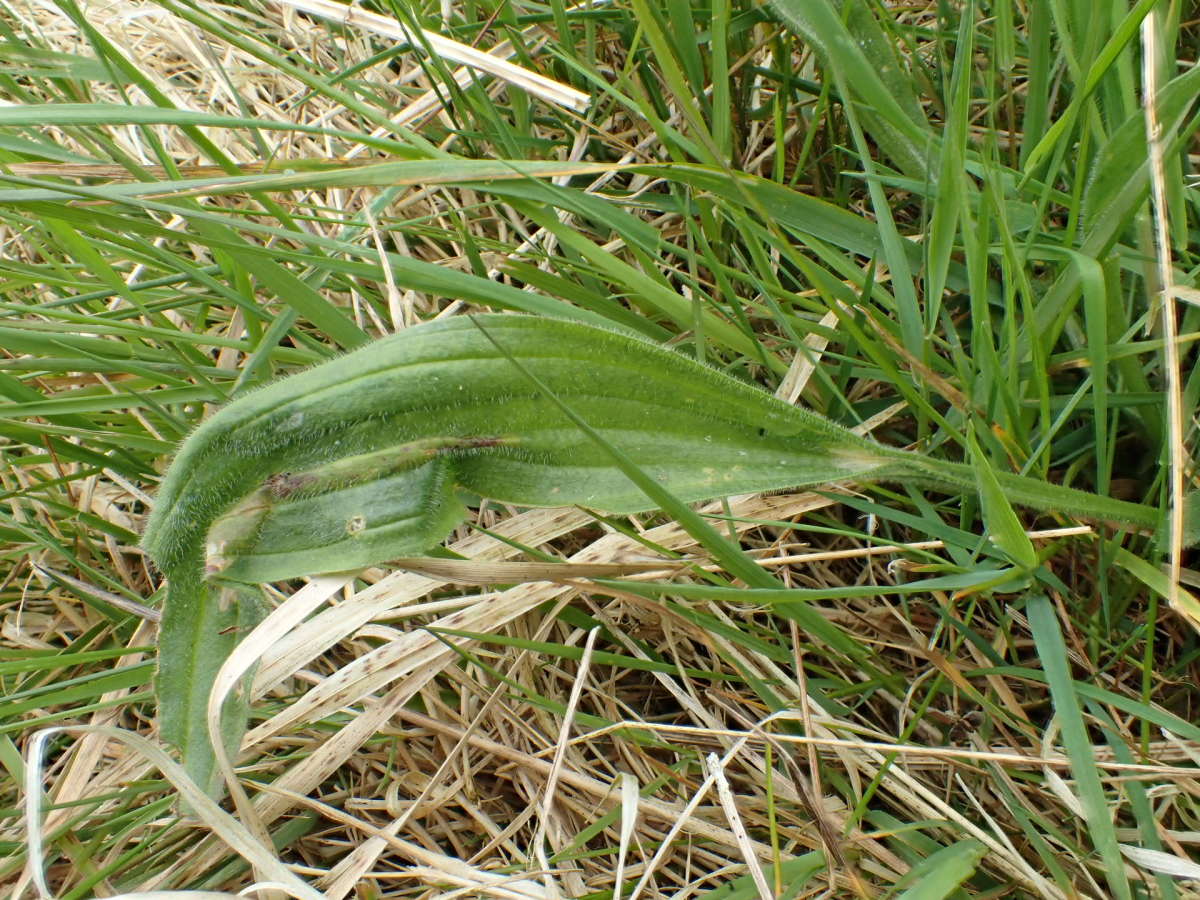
(943, 873)
(1003, 526)
(1052, 651)
(897, 125)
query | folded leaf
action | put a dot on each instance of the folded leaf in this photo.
(357, 461)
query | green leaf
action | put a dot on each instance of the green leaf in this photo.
(1052, 651)
(939, 875)
(1117, 42)
(1154, 578)
(114, 114)
(201, 625)
(1003, 526)
(865, 66)
(356, 461)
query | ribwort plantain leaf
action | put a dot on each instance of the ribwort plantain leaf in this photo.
(358, 461)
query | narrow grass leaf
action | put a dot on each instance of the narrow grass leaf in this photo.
(952, 186)
(114, 114)
(1003, 527)
(943, 873)
(1054, 656)
(1154, 578)
(1116, 44)
(874, 79)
